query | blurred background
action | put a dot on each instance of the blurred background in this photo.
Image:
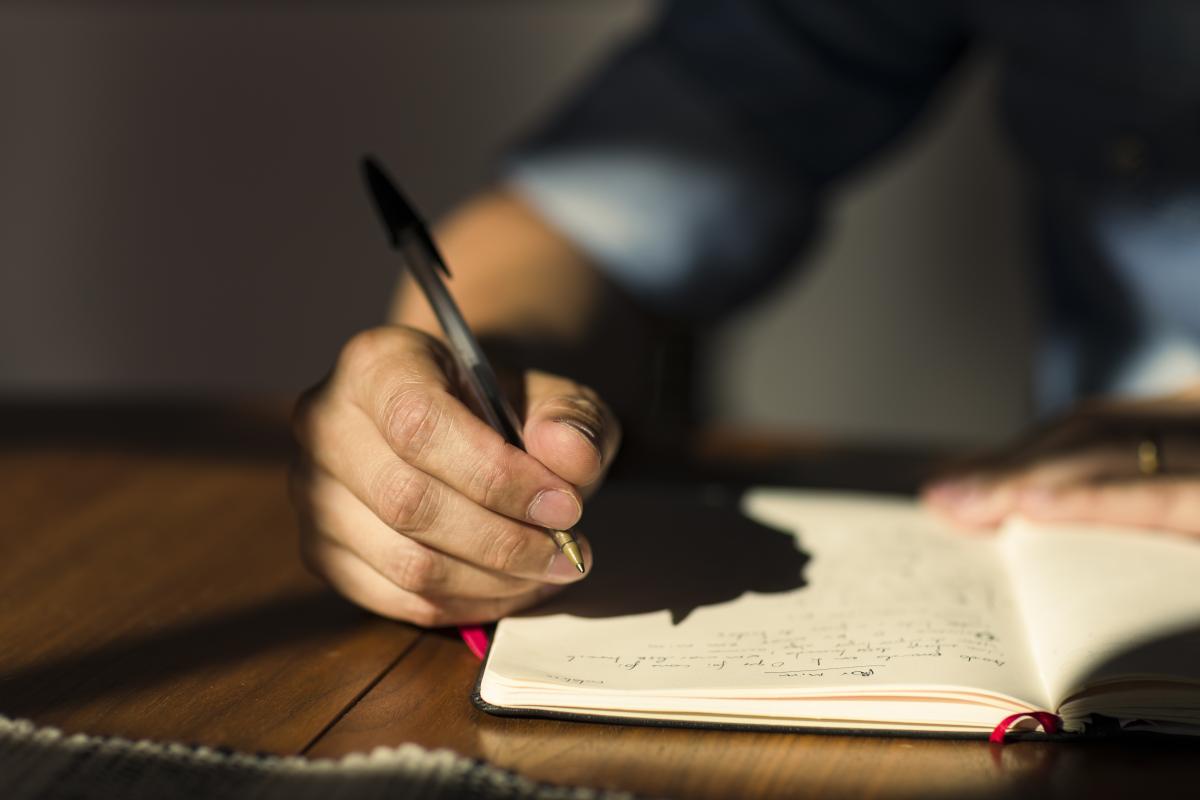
(181, 213)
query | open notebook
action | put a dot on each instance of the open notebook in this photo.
(856, 612)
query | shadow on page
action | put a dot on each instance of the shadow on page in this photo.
(659, 549)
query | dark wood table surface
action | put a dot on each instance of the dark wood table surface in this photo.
(149, 587)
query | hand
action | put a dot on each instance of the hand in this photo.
(1086, 468)
(413, 507)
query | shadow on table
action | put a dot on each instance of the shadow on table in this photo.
(184, 427)
(144, 660)
(667, 549)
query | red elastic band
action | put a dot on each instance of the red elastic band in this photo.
(1050, 724)
(476, 640)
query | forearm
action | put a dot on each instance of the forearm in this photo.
(536, 301)
(511, 275)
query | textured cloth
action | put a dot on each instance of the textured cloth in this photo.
(45, 763)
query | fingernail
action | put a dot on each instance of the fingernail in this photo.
(554, 508)
(561, 569)
(587, 432)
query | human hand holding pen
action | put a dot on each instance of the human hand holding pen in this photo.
(413, 507)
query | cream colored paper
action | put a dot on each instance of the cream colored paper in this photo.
(872, 615)
(1105, 605)
(894, 608)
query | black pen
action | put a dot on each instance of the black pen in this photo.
(411, 239)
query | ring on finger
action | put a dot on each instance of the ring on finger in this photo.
(1150, 456)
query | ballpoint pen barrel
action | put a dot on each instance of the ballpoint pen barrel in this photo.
(477, 372)
(423, 264)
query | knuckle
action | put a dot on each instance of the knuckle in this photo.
(362, 349)
(507, 550)
(413, 416)
(407, 499)
(402, 347)
(492, 479)
(419, 571)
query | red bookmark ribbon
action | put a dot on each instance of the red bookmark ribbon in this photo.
(1051, 723)
(476, 640)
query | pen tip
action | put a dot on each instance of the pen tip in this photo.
(570, 549)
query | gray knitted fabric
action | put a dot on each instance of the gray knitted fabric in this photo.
(44, 763)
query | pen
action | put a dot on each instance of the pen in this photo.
(410, 237)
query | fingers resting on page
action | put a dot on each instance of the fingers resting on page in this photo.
(413, 507)
(1118, 463)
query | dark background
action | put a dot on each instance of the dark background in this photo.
(181, 215)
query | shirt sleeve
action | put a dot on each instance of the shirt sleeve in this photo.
(689, 168)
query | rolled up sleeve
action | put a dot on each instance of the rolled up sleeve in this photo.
(689, 169)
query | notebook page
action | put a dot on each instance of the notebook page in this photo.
(890, 601)
(1102, 603)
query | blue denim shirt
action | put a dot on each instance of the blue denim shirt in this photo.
(692, 167)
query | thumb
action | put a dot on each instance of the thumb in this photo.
(569, 428)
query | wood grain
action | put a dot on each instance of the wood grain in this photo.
(149, 588)
(153, 590)
(424, 699)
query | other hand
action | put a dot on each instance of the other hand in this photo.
(413, 507)
(1132, 463)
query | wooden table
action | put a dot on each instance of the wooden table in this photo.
(149, 587)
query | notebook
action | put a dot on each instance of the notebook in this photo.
(855, 612)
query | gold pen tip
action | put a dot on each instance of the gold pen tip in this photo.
(570, 548)
(571, 551)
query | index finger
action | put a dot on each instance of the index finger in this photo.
(1170, 503)
(405, 389)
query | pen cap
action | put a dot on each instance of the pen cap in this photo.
(396, 213)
